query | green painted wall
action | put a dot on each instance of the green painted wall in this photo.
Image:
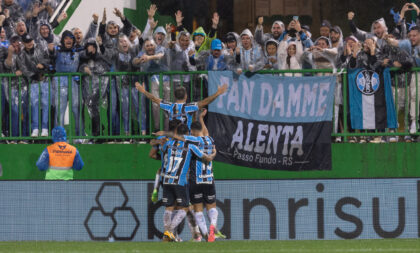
(117, 161)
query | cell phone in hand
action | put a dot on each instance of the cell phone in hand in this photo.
(173, 33)
(295, 18)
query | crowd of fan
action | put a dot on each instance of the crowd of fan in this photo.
(30, 50)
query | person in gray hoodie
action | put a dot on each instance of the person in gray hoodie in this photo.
(271, 59)
(80, 38)
(179, 59)
(251, 55)
(277, 30)
(161, 39)
(336, 36)
(19, 90)
(14, 11)
(152, 60)
(122, 58)
(110, 31)
(378, 30)
(34, 61)
(95, 83)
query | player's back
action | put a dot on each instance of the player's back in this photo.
(181, 111)
(201, 172)
(178, 157)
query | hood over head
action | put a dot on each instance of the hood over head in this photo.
(247, 32)
(380, 21)
(232, 36)
(280, 23)
(199, 31)
(59, 134)
(65, 34)
(160, 29)
(270, 41)
(325, 38)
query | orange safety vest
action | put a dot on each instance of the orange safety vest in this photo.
(61, 155)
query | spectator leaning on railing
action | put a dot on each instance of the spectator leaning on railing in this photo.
(161, 49)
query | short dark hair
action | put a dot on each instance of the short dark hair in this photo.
(196, 125)
(182, 129)
(173, 124)
(180, 92)
(415, 28)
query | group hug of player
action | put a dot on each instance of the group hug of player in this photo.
(186, 173)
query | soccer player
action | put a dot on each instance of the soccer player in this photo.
(201, 180)
(156, 146)
(180, 109)
(175, 191)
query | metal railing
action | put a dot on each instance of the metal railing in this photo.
(108, 107)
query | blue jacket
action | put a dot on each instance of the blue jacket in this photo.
(66, 61)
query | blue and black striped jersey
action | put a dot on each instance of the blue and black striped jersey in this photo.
(159, 147)
(201, 172)
(183, 112)
(178, 161)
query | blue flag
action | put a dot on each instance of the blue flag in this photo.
(371, 101)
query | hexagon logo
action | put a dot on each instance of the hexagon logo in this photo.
(107, 220)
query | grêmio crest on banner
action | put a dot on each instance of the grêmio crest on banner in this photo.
(273, 122)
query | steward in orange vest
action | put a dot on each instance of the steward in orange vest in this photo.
(60, 158)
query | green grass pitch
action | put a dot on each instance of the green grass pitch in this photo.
(339, 246)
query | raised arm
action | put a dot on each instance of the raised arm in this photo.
(222, 89)
(170, 135)
(359, 34)
(201, 119)
(149, 95)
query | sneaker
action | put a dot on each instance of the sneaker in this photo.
(413, 127)
(362, 139)
(166, 239)
(44, 132)
(23, 142)
(219, 235)
(170, 235)
(77, 141)
(383, 139)
(376, 140)
(35, 133)
(393, 139)
(198, 239)
(338, 139)
(408, 139)
(211, 234)
(352, 139)
(154, 197)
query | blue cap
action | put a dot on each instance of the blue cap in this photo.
(216, 45)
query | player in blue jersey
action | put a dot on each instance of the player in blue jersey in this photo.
(156, 146)
(154, 153)
(175, 178)
(181, 109)
(201, 182)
